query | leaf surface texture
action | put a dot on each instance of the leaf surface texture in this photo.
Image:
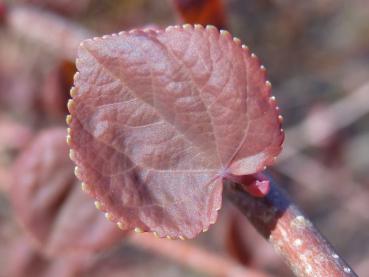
(160, 117)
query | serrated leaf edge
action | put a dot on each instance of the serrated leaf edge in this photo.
(99, 205)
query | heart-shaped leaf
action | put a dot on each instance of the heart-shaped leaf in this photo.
(158, 118)
(49, 203)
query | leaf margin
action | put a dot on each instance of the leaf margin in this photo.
(73, 92)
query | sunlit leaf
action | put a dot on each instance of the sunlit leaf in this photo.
(158, 118)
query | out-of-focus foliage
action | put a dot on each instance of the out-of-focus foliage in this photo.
(202, 12)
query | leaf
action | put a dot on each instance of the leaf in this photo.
(50, 204)
(55, 89)
(158, 118)
(202, 12)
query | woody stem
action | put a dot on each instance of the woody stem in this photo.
(290, 232)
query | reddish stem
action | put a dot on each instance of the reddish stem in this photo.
(192, 256)
(291, 234)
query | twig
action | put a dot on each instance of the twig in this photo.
(192, 256)
(289, 231)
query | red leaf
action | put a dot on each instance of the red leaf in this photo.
(158, 118)
(202, 12)
(55, 89)
(50, 204)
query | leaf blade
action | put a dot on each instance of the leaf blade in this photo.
(161, 115)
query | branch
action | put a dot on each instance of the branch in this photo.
(291, 234)
(192, 256)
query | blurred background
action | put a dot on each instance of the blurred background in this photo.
(317, 57)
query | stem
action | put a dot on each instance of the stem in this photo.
(192, 256)
(291, 234)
